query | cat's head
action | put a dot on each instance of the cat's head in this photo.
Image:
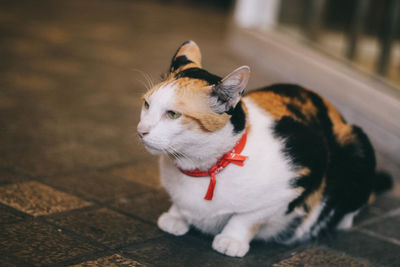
(190, 105)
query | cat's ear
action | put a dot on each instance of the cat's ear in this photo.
(187, 53)
(226, 94)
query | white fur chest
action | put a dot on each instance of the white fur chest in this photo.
(261, 184)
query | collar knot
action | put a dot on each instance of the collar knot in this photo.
(232, 156)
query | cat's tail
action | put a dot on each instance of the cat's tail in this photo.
(382, 182)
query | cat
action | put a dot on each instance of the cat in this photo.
(279, 163)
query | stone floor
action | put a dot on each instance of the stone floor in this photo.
(76, 187)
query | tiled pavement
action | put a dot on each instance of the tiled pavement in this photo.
(76, 188)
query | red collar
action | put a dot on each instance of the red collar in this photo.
(232, 156)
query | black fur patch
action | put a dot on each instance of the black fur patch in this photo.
(179, 48)
(383, 182)
(201, 74)
(289, 90)
(306, 148)
(352, 168)
(238, 118)
(179, 62)
(186, 42)
(349, 169)
(296, 112)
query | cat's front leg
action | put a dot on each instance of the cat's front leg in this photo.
(234, 240)
(172, 222)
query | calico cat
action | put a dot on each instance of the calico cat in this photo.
(279, 163)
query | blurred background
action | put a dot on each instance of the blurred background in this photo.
(73, 71)
(362, 32)
(71, 77)
(348, 51)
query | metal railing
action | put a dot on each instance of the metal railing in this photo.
(312, 24)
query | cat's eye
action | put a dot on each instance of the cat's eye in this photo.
(173, 115)
(146, 105)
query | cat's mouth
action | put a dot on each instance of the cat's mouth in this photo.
(151, 148)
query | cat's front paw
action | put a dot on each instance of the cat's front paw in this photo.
(172, 224)
(230, 246)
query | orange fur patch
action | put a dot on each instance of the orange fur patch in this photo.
(207, 122)
(187, 66)
(371, 198)
(303, 172)
(315, 198)
(192, 52)
(192, 100)
(270, 102)
(343, 131)
(277, 105)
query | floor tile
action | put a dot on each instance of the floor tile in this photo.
(388, 227)
(191, 251)
(372, 250)
(385, 203)
(100, 186)
(107, 227)
(395, 192)
(147, 206)
(7, 261)
(40, 244)
(62, 139)
(111, 261)
(6, 216)
(319, 257)
(37, 199)
(382, 204)
(145, 172)
(7, 177)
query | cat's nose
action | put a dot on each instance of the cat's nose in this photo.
(142, 130)
(142, 134)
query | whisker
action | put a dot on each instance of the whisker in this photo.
(172, 150)
(148, 83)
(151, 80)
